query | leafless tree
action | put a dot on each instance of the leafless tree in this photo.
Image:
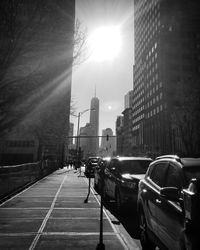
(33, 55)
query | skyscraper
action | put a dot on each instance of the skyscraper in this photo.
(94, 122)
(167, 66)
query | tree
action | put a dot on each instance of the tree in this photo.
(37, 38)
(80, 45)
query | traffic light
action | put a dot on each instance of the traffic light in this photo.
(107, 137)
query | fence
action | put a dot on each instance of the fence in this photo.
(15, 178)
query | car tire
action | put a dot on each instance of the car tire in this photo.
(146, 243)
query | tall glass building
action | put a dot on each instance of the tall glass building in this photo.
(94, 122)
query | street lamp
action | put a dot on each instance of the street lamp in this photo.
(78, 133)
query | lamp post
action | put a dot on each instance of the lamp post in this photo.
(78, 134)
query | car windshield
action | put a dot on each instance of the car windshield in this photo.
(191, 172)
(134, 166)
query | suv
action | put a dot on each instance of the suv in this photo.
(99, 174)
(168, 198)
(121, 178)
(91, 163)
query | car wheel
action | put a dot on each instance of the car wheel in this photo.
(118, 201)
(146, 243)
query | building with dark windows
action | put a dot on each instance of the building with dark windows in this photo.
(108, 143)
(120, 135)
(127, 125)
(94, 122)
(85, 140)
(166, 77)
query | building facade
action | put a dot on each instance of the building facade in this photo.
(167, 43)
(86, 141)
(120, 135)
(108, 143)
(94, 122)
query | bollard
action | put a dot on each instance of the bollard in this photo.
(101, 245)
(86, 200)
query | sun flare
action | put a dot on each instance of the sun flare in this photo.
(105, 43)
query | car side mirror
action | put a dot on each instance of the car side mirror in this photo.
(170, 193)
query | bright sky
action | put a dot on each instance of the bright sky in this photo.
(110, 68)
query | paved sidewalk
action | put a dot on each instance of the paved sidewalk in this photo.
(51, 214)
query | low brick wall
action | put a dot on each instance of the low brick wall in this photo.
(14, 178)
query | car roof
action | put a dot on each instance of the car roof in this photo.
(183, 162)
(190, 162)
(126, 158)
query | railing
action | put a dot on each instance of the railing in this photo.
(15, 178)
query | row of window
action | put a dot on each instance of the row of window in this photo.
(138, 96)
(137, 111)
(138, 103)
(139, 118)
(156, 87)
(138, 88)
(155, 111)
(151, 92)
(136, 127)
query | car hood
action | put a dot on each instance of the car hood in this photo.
(133, 176)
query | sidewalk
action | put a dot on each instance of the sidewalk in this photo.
(52, 214)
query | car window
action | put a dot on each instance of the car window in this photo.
(158, 173)
(174, 177)
(134, 166)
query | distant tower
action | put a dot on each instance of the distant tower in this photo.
(94, 121)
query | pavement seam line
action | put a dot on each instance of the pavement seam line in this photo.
(34, 242)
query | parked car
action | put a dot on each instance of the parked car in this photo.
(99, 173)
(91, 163)
(168, 202)
(122, 176)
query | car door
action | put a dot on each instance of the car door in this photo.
(169, 213)
(156, 180)
(113, 177)
(107, 176)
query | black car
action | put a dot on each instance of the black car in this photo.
(168, 202)
(99, 173)
(90, 164)
(121, 178)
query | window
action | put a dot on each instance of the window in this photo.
(174, 177)
(158, 173)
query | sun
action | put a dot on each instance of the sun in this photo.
(105, 43)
